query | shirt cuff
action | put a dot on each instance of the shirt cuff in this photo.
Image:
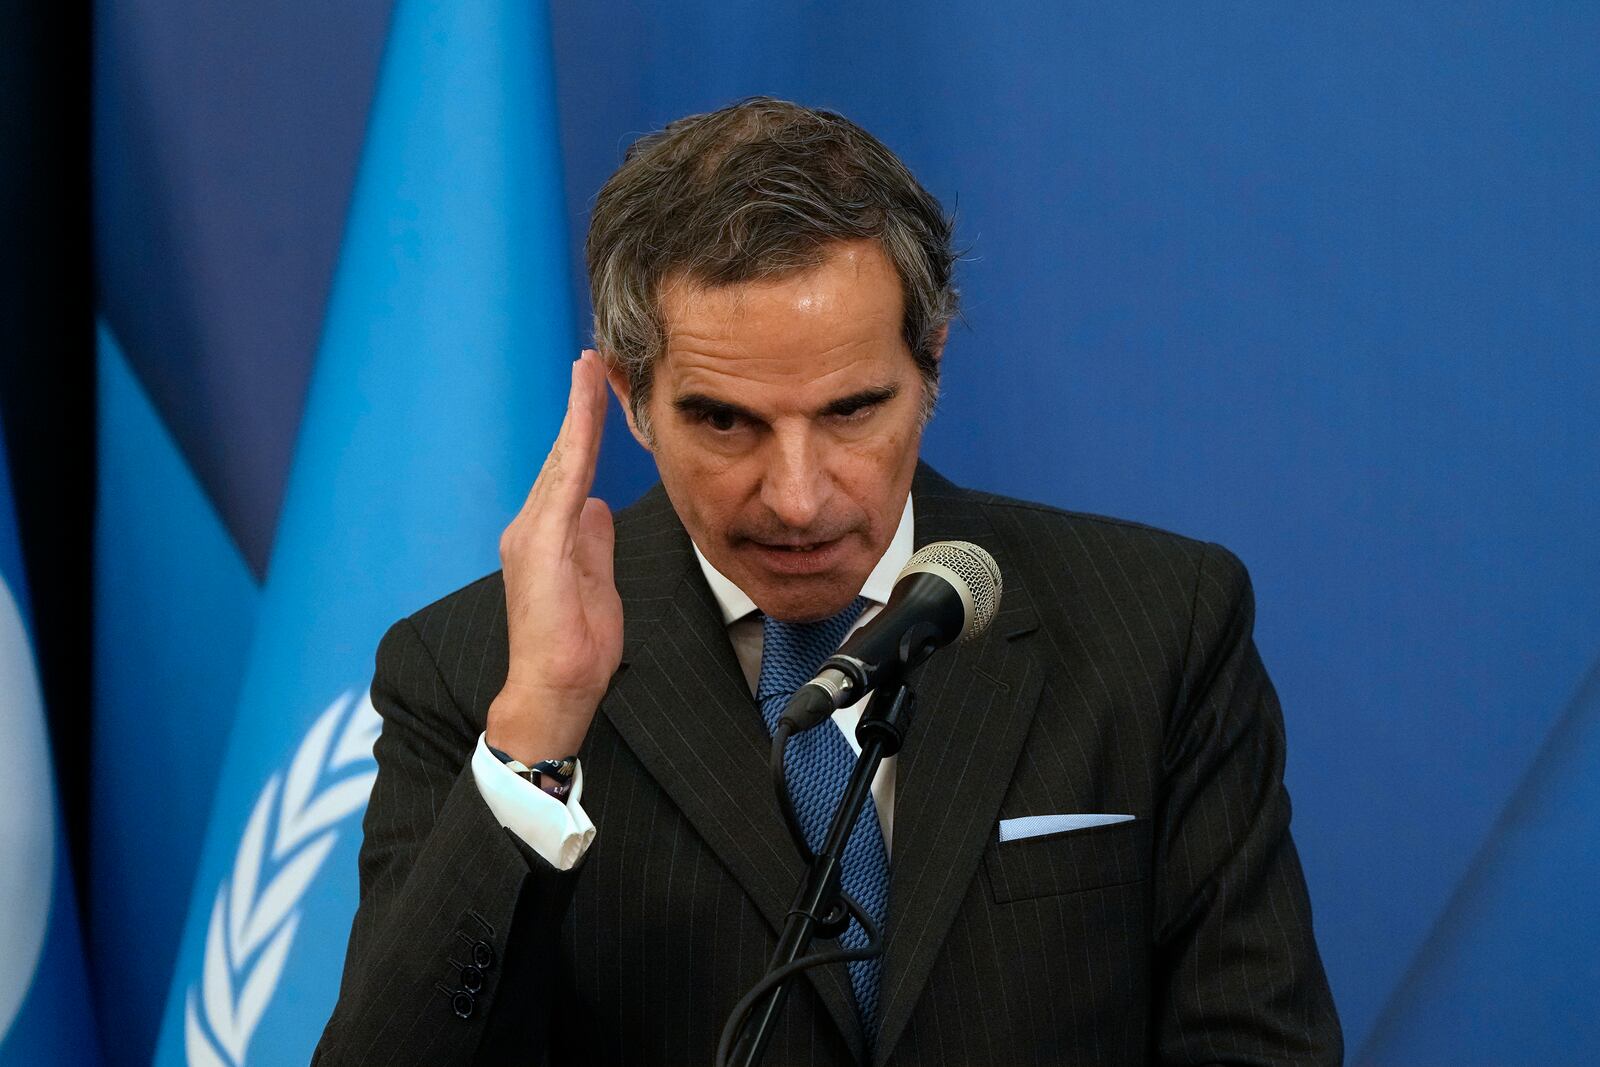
(560, 833)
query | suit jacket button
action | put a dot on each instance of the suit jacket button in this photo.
(482, 955)
(472, 979)
(462, 1004)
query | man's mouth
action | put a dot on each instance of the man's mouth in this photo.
(797, 557)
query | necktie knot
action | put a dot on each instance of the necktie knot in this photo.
(792, 652)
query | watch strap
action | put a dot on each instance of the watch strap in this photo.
(553, 776)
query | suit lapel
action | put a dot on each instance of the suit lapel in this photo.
(681, 703)
(975, 705)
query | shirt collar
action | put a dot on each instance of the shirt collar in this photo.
(736, 605)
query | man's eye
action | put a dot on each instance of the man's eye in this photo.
(855, 414)
(721, 421)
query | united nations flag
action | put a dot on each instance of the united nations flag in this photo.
(438, 386)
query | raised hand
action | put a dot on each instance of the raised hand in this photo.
(562, 610)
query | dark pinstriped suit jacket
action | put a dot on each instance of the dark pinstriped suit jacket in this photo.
(1120, 676)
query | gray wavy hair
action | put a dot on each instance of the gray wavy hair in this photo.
(758, 190)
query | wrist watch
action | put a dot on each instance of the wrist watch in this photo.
(554, 776)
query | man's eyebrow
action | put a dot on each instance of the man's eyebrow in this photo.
(701, 405)
(846, 405)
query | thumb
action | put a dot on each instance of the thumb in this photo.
(597, 539)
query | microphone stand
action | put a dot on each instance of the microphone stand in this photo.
(821, 909)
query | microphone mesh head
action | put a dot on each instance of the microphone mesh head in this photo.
(976, 569)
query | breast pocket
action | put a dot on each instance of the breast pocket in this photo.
(1100, 857)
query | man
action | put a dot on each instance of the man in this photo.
(772, 291)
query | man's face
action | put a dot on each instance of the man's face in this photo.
(785, 419)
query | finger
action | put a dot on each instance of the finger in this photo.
(550, 470)
(569, 470)
(580, 451)
(591, 397)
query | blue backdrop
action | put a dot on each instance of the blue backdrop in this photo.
(1322, 285)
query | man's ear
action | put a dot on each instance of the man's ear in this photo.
(618, 377)
(939, 338)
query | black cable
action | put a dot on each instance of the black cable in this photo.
(874, 946)
(773, 978)
(780, 788)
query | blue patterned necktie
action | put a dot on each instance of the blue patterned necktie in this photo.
(818, 764)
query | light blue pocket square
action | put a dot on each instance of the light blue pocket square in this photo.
(1038, 825)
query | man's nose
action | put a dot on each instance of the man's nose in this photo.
(795, 484)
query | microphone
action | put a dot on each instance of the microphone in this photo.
(948, 591)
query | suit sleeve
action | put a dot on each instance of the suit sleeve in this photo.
(429, 975)
(1238, 977)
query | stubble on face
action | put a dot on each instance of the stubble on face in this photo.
(786, 420)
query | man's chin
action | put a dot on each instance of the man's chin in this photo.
(797, 603)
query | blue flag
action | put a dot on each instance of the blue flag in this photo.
(45, 1010)
(438, 387)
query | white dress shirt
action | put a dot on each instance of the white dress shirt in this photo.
(561, 832)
